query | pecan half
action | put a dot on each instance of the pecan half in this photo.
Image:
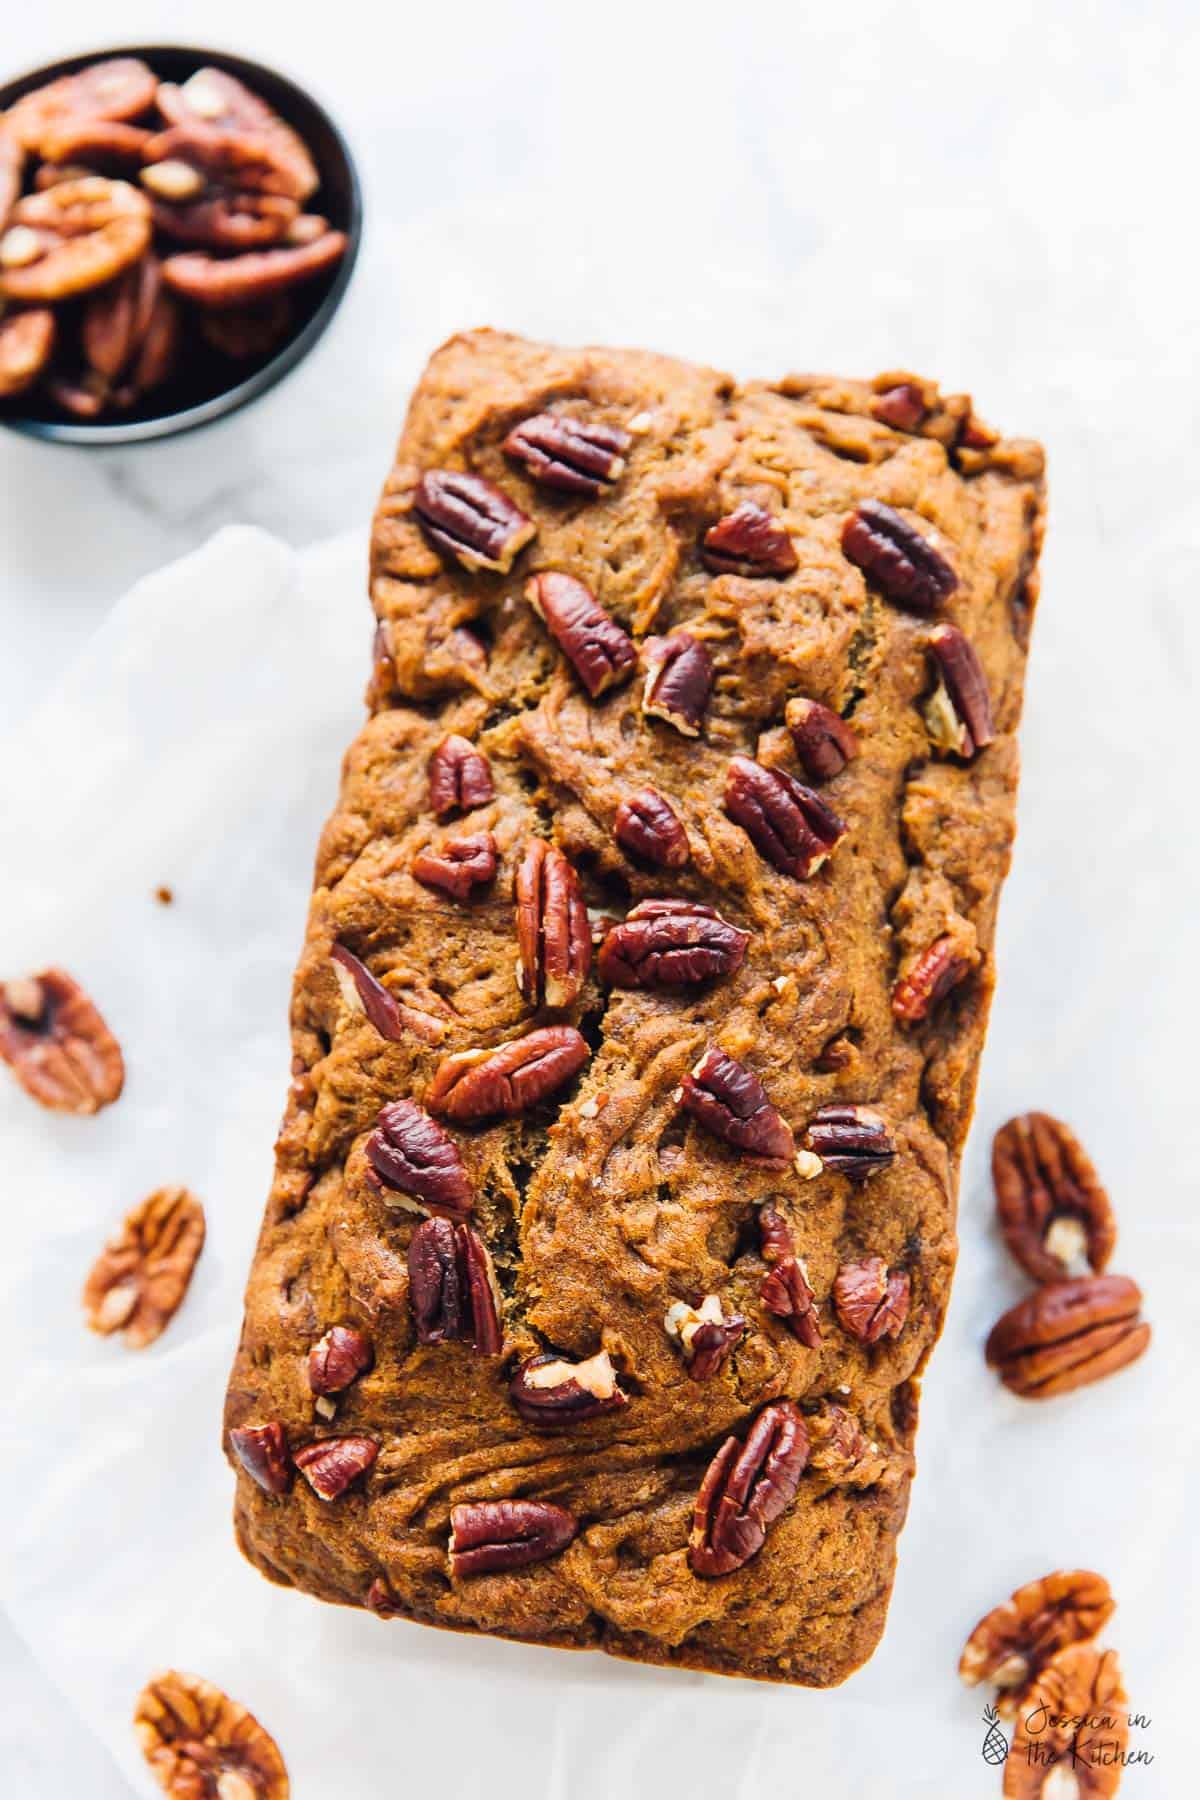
(507, 1081)
(897, 557)
(452, 1286)
(460, 777)
(599, 651)
(364, 993)
(870, 1300)
(89, 231)
(647, 825)
(729, 1100)
(105, 146)
(746, 1488)
(1076, 1723)
(749, 541)
(1012, 1644)
(57, 1045)
(471, 519)
(409, 1153)
(459, 865)
(934, 974)
(554, 938)
(788, 824)
(958, 713)
(254, 275)
(331, 1464)
(139, 1280)
(824, 742)
(263, 1452)
(669, 944)
(1050, 1203)
(786, 1292)
(704, 1333)
(201, 1745)
(489, 1536)
(679, 678)
(853, 1140)
(26, 346)
(121, 88)
(337, 1359)
(548, 1390)
(573, 455)
(902, 407)
(1067, 1334)
(224, 221)
(218, 101)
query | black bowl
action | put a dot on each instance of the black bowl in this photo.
(207, 386)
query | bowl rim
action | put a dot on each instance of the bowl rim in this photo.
(252, 387)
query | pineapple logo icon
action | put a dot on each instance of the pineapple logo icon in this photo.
(995, 1744)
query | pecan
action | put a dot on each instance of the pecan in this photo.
(120, 88)
(497, 1535)
(217, 221)
(840, 1449)
(746, 1488)
(364, 993)
(705, 1334)
(670, 943)
(452, 1286)
(679, 678)
(140, 1278)
(116, 319)
(507, 1081)
(1050, 1203)
(548, 1390)
(1075, 1722)
(646, 826)
(263, 1452)
(381, 1601)
(731, 1102)
(1012, 1644)
(748, 541)
(897, 557)
(599, 651)
(460, 777)
(554, 939)
(902, 407)
(104, 146)
(870, 1300)
(331, 1464)
(26, 346)
(89, 231)
(853, 1140)
(250, 330)
(471, 519)
(221, 103)
(824, 742)
(201, 1745)
(255, 275)
(337, 1359)
(1067, 1334)
(958, 714)
(569, 454)
(57, 1045)
(939, 969)
(785, 1291)
(458, 865)
(409, 1153)
(788, 824)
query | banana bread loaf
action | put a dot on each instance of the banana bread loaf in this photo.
(637, 1024)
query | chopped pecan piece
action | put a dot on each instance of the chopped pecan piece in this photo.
(871, 1301)
(120, 88)
(1067, 1334)
(788, 824)
(853, 1140)
(573, 455)
(599, 651)
(471, 519)
(554, 938)
(263, 1452)
(507, 1081)
(646, 825)
(670, 943)
(902, 407)
(704, 1333)
(381, 1601)
(897, 557)
(138, 1283)
(548, 1390)
(409, 1153)
(337, 1359)
(746, 1488)
(958, 713)
(364, 993)
(1051, 1205)
(1012, 1644)
(749, 541)
(26, 345)
(459, 865)
(679, 678)
(331, 1464)
(730, 1101)
(840, 1449)
(201, 1745)
(824, 742)
(57, 1045)
(934, 974)
(452, 1286)
(460, 777)
(1075, 1724)
(495, 1535)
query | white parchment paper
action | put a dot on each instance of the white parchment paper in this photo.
(196, 743)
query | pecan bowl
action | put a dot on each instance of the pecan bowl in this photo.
(207, 384)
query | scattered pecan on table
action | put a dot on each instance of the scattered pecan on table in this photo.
(57, 1045)
(140, 1278)
(1067, 1334)
(1075, 1722)
(1052, 1208)
(201, 1745)
(1012, 1644)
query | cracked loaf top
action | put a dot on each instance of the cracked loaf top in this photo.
(636, 1028)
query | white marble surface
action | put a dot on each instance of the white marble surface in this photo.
(998, 195)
